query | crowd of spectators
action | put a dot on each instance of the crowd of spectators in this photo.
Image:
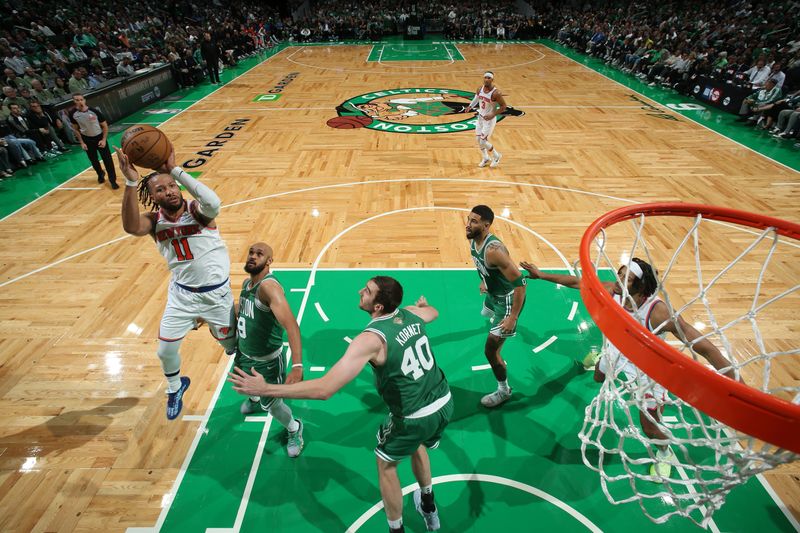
(750, 44)
(52, 50)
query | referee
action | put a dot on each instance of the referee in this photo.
(91, 129)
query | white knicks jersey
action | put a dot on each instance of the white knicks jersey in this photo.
(617, 358)
(485, 105)
(195, 253)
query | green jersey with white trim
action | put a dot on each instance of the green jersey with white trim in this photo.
(258, 331)
(410, 379)
(496, 282)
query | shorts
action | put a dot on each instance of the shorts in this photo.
(272, 367)
(184, 307)
(484, 128)
(498, 307)
(647, 392)
(400, 437)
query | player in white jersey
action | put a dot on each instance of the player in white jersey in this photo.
(642, 302)
(489, 102)
(187, 236)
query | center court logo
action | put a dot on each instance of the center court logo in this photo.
(414, 110)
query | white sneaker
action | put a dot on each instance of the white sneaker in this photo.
(662, 467)
(431, 519)
(483, 163)
(496, 398)
(295, 443)
(496, 160)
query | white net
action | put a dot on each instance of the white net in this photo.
(738, 288)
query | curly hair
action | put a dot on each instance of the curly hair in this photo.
(144, 192)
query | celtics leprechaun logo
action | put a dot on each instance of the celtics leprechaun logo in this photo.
(417, 110)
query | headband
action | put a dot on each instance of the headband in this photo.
(634, 267)
(488, 75)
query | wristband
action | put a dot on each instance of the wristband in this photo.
(297, 365)
(130, 183)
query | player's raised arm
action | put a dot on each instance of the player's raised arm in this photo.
(133, 222)
(209, 203)
(422, 309)
(661, 318)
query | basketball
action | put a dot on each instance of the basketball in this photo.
(146, 146)
(349, 122)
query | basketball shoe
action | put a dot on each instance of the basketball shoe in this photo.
(175, 399)
(295, 443)
(496, 398)
(432, 518)
(496, 160)
(662, 468)
(483, 162)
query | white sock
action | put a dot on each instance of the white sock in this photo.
(254, 398)
(427, 489)
(496, 155)
(283, 414)
(174, 382)
(395, 524)
(485, 153)
(502, 386)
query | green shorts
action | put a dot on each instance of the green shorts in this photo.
(400, 437)
(274, 371)
(498, 307)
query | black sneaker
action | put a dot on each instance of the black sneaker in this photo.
(101, 178)
(114, 185)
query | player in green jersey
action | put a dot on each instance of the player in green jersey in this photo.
(396, 345)
(504, 287)
(262, 317)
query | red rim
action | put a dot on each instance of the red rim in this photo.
(744, 408)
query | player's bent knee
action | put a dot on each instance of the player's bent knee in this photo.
(168, 353)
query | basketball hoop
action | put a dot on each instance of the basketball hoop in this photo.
(725, 431)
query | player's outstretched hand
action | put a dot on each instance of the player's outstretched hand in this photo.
(533, 272)
(421, 302)
(248, 384)
(126, 166)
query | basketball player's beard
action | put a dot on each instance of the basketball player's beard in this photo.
(254, 270)
(166, 206)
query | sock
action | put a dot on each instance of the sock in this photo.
(427, 500)
(664, 455)
(254, 398)
(174, 382)
(502, 386)
(496, 155)
(396, 526)
(283, 414)
(426, 489)
(485, 153)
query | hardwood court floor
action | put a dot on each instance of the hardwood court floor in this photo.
(85, 445)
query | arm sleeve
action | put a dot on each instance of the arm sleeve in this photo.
(474, 102)
(208, 199)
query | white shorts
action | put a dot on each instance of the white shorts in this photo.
(184, 307)
(484, 128)
(647, 392)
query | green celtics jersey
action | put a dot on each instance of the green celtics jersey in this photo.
(258, 331)
(410, 379)
(496, 282)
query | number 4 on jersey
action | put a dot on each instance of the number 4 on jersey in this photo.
(413, 357)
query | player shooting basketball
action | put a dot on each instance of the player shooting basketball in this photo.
(187, 236)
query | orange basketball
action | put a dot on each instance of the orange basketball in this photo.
(146, 146)
(349, 122)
